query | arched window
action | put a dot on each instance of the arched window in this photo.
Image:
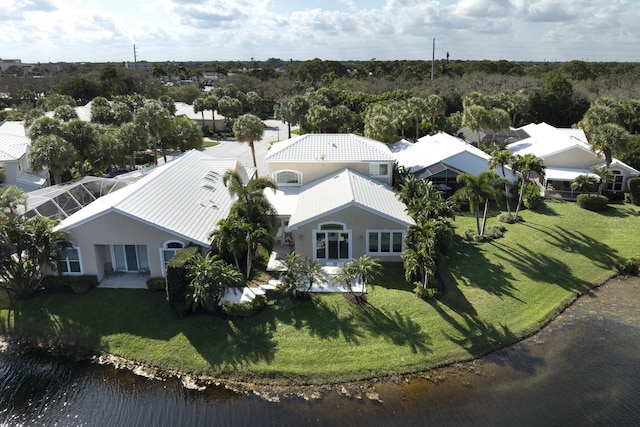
(288, 177)
(69, 260)
(168, 250)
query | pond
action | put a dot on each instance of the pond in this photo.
(582, 369)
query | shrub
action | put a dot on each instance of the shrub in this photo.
(490, 233)
(592, 203)
(634, 190)
(532, 198)
(77, 284)
(508, 219)
(178, 281)
(425, 293)
(156, 283)
(629, 267)
(244, 309)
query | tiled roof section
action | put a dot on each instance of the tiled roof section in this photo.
(13, 147)
(181, 197)
(334, 147)
(347, 188)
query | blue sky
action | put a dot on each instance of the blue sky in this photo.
(204, 30)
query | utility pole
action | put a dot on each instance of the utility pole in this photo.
(433, 59)
(135, 60)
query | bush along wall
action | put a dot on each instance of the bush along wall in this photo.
(177, 278)
(77, 284)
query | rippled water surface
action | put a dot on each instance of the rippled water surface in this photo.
(583, 369)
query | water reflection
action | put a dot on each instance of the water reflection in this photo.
(583, 369)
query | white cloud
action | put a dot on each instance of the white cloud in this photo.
(96, 30)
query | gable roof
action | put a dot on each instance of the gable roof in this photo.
(545, 140)
(13, 128)
(329, 147)
(185, 197)
(442, 149)
(345, 189)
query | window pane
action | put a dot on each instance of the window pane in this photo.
(174, 245)
(75, 267)
(384, 170)
(62, 267)
(385, 242)
(118, 254)
(373, 242)
(397, 242)
(72, 254)
(143, 259)
(331, 227)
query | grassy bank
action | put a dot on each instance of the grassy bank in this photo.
(496, 293)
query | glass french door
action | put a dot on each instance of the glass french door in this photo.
(332, 245)
(131, 258)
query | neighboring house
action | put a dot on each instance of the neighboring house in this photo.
(440, 158)
(566, 154)
(14, 158)
(183, 109)
(137, 229)
(334, 199)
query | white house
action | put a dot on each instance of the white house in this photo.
(14, 151)
(334, 199)
(137, 229)
(441, 157)
(566, 154)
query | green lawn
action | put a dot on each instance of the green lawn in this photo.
(496, 293)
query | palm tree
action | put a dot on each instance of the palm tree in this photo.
(199, 106)
(434, 107)
(82, 135)
(420, 255)
(52, 152)
(228, 239)
(608, 138)
(154, 117)
(480, 189)
(584, 183)
(251, 211)
(249, 128)
(291, 278)
(365, 268)
(526, 165)
(604, 174)
(497, 120)
(475, 117)
(502, 158)
(313, 272)
(417, 111)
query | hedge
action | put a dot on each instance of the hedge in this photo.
(592, 203)
(634, 190)
(178, 280)
(77, 284)
(156, 283)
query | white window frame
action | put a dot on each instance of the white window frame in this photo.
(288, 184)
(68, 262)
(165, 248)
(379, 252)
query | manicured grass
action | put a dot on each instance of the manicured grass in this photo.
(496, 293)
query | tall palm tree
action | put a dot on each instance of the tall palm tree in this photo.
(478, 190)
(475, 118)
(526, 165)
(609, 138)
(52, 152)
(228, 239)
(82, 135)
(154, 117)
(420, 255)
(502, 158)
(249, 128)
(434, 107)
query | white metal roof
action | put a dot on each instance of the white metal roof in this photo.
(329, 147)
(184, 109)
(545, 140)
(13, 128)
(344, 189)
(185, 197)
(13, 147)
